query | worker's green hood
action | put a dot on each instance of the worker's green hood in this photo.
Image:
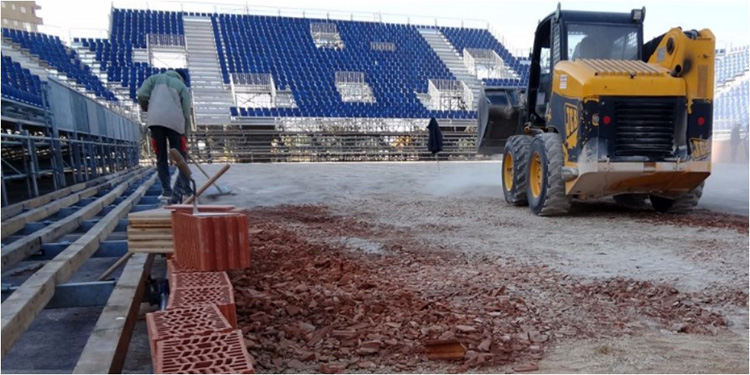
(174, 74)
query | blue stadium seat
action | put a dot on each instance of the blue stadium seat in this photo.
(19, 84)
(462, 38)
(51, 50)
(129, 30)
(284, 48)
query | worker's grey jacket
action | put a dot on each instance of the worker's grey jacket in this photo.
(168, 101)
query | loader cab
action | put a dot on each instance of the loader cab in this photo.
(573, 35)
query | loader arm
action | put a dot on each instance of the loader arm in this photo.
(689, 55)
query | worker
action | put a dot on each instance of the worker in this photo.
(166, 98)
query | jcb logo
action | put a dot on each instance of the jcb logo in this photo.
(571, 125)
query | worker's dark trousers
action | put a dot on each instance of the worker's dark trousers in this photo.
(159, 137)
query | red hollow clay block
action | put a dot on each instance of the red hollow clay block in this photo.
(186, 233)
(199, 280)
(211, 241)
(184, 323)
(179, 237)
(232, 244)
(221, 254)
(206, 251)
(244, 241)
(218, 353)
(223, 297)
(175, 267)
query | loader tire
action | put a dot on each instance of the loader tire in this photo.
(681, 205)
(546, 188)
(515, 178)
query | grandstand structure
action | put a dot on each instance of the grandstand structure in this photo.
(277, 88)
(732, 90)
(270, 87)
(60, 125)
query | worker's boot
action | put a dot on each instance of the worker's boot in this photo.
(166, 199)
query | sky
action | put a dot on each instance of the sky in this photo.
(514, 20)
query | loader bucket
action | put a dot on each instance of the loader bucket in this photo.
(498, 119)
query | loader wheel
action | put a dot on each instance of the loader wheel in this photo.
(515, 158)
(546, 190)
(681, 205)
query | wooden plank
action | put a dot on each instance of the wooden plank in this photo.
(11, 211)
(153, 225)
(107, 346)
(155, 219)
(152, 251)
(13, 225)
(16, 223)
(149, 238)
(152, 244)
(17, 208)
(166, 236)
(19, 250)
(22, 307)
(143, 231)
(148, 232)
(150, 214)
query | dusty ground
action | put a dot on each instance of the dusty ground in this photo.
(393, 256)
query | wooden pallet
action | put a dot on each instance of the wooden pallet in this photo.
(150, 231)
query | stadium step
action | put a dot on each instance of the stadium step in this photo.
(205, 73)
(26, 61)
(450, 58)
(89, 58)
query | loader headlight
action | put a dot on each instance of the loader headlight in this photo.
(595, 119)
(638, 14)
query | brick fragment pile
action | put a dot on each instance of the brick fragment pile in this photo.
(305, 307)
(307, 304)
(197, 333)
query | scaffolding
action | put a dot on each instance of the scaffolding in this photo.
(288, 139)
(326, 35)
(258, 90)
(449, 95)
(353, 88)
(486, 64)
(76, 140)
(165, 51)
(253, 90)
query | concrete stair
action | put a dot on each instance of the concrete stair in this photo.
(123, 94)
(211, 98)
(450, 57)
(29, 61)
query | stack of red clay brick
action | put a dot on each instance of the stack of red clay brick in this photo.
(198, 331)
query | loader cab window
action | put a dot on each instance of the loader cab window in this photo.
(600, 41)
(545, 80)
